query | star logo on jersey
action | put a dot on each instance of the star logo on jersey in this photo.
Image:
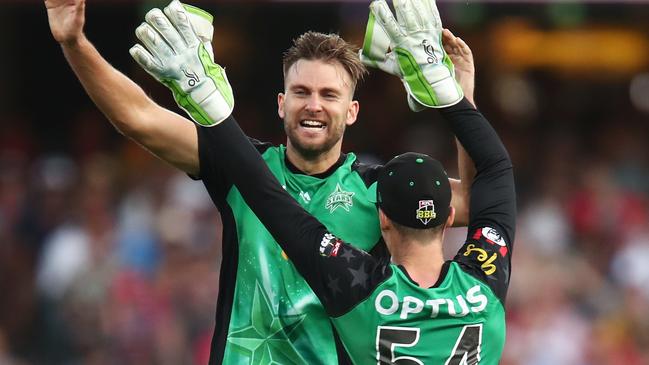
(339, 199)
(359, 276)
(266, 340)
(332, 284)
(347, 255)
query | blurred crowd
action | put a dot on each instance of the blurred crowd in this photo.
(112, 259)
(110, 256)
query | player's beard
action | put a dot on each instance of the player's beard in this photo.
(311, 151)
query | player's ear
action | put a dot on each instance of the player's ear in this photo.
(352, 112)
(385, 222)
(280, 105)
(451, 217)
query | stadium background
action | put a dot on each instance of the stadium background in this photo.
(109, 256)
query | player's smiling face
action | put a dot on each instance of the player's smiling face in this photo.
(316, 107)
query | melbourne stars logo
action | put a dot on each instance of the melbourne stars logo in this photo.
(339, 199)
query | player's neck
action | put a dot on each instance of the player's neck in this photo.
(422, 261)
(316, 164)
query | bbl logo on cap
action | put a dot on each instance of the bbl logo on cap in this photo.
(426, 211)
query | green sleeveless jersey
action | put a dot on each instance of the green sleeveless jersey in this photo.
(267, 313)
(461, 321)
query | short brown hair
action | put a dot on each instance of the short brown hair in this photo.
(326, 47)
(422, 235)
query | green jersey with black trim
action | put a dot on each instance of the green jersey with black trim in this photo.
(267, 313)
(445, 324)
(273, 302)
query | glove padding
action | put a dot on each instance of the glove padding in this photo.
(177, 52)
(410, 47)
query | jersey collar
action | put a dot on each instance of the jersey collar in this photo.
(292, 168)
(440, 278)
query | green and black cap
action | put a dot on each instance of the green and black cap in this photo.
(413, 190)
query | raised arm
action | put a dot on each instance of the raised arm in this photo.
(492, 219)
(167, 135)
(427, 71)
(493, 199)
(462, 57)
(313, 250)
(474, 132)
(409, 47)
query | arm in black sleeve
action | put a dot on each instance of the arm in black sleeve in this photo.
(492, 212)
(331, 267)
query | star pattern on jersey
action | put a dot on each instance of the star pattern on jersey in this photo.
(360, 276)
(348, 254)
(266, 339)
(339, 199)
(332, 284)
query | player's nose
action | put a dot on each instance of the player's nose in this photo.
(313, 104)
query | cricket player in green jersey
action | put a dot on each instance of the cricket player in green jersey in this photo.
(414, 308)
(266, 313)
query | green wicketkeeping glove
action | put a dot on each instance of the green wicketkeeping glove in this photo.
(410, 47)
(179, 54)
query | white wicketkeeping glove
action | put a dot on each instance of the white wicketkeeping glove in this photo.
(177, 52)
(410, 47)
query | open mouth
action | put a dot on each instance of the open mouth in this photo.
(312, 124)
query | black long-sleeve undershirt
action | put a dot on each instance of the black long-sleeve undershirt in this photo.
(494, 173)
(492, 207)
